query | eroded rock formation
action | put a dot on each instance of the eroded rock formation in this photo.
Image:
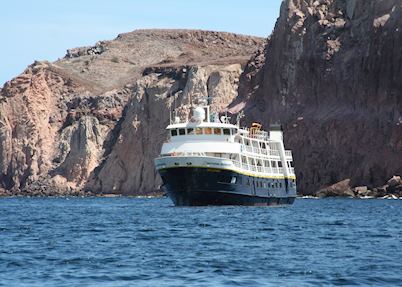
(129, 168)
(100, 113)
(332, 76)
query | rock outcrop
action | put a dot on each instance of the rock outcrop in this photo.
(129, 167)
(332, 76)
(339, 189)
(94, 120)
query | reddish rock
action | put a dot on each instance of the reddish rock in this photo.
(64, 122)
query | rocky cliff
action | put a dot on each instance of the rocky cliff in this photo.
(95, 119)
(331, 74)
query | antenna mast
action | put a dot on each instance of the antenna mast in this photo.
(170, 108)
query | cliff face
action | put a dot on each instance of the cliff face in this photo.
(100, 112)
(129, 167)
(331, 74)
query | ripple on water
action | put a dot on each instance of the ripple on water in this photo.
(148, 242)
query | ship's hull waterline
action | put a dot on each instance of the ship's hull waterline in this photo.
(198, 186)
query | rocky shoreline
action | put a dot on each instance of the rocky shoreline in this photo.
(391, 190)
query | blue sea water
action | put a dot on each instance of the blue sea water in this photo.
(148, 242)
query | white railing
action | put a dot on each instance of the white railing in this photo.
(256, 150)
(262, 135)
(188, 153)
(261, 169)
(236, 164)
(288, 153)
(274, 152)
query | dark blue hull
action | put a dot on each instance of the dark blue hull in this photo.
(194, 186)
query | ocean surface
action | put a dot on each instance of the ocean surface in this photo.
(149, 242)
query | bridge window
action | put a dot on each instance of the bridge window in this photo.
(208, 131)
(190, 131)
(279, 164)
(226, 132)
(217, 131)
(182, 132)
(198, 131)
(173, 133)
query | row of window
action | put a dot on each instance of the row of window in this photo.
(202, 131)
(262, 163)
(263, 184)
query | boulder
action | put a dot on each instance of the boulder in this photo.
(394, 181)
(361, 191)
(339, 189)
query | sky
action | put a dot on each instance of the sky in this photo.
(44, 29)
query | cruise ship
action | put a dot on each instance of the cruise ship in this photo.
(209, 161)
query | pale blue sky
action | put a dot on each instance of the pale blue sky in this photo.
(44, 29)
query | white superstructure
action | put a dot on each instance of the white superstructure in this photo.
(204, 142)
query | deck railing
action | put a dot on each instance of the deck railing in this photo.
(256, 150)
(245, 166)
(261, 169)
(262, 135)
(188, 153)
